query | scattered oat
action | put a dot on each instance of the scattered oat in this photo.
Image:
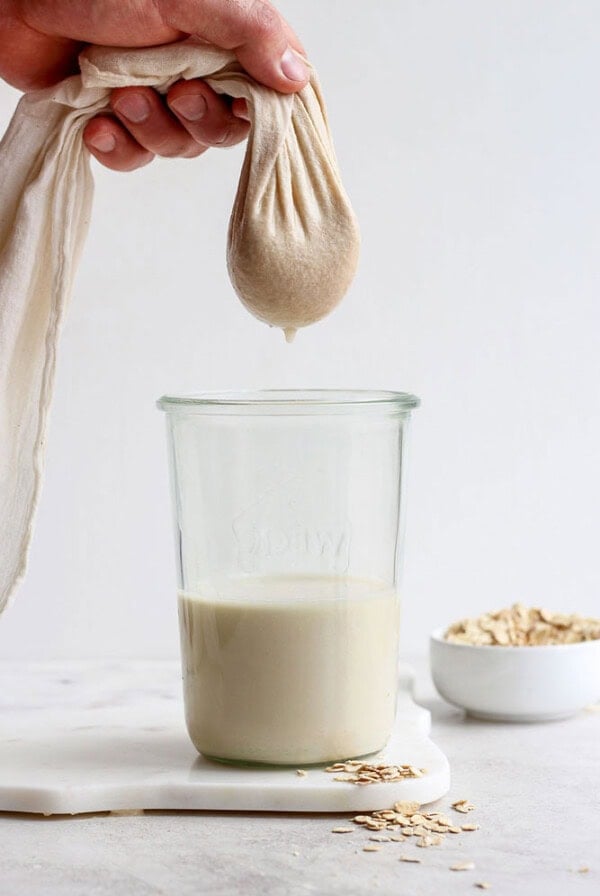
(430, 840)
(463, 806)
(419, 831)
(520, 626)
(408, 819)
(405, 807)
(483, 885)
(441, 819)
(592, 707)
(295, 852)
(462, 866)
(362, 773)
(342, 830)
(583, 870)
(301, 772)
(410, 859)
(411, 822)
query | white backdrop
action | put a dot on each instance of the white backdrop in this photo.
(469, 139)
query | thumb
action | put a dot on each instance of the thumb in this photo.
(253, 29)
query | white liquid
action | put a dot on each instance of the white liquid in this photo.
(290, 670)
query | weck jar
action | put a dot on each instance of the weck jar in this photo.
(288, 512)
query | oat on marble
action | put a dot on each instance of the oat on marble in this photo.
(462, 866)
(355, 772)
(521, 626)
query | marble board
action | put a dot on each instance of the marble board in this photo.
(116, 740)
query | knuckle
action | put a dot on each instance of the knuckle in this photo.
(263, 21)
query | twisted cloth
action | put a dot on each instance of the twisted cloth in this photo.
(292, 247)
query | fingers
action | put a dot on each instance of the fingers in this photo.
(205, 116)
(192, 119)
(143, 112)
(253, 29)
(110, 143)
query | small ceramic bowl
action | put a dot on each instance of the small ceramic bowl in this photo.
(516, 684)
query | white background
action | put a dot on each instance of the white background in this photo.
(469, 138)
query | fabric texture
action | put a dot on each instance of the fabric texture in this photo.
(292, 248)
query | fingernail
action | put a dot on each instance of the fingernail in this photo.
(292, 66)
(191, 106)
(103, 142)
(134, 107)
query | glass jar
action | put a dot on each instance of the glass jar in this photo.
(288, 522)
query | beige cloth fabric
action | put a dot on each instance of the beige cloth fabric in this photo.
(292, 249)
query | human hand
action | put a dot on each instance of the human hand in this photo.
(41, 39)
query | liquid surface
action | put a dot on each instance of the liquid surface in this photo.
(289, 670)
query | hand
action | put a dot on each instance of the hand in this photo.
(40, 41)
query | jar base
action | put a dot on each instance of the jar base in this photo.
(272, 764)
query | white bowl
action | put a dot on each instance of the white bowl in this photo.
(516, 684)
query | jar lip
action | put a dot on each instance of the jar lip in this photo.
(273, 400)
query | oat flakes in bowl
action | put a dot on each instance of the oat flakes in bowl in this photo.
(519, 664)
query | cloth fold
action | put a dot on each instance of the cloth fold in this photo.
(292, 248)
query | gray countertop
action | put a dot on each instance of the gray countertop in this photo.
(535, 787)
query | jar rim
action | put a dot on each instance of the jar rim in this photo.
(282, 400)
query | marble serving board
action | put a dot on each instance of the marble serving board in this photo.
(107, 738)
